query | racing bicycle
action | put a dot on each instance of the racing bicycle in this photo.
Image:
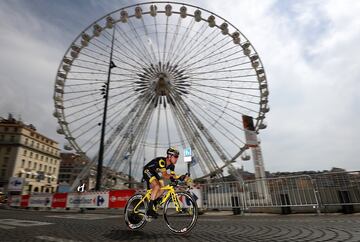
(180, 210)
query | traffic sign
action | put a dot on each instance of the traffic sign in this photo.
(187, 154)
(16, 184)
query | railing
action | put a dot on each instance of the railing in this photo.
(336, 191)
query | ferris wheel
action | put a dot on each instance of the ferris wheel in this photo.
(179, 75)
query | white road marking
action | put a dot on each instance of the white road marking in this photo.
(49, 238)
(6, 227)
(84, 216)
(22, 223)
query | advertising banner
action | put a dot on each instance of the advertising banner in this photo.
(40, 201)
(24, 201)
(59, 200)
(15, 201)
(88, 200)
(250, 134)
(118, 198)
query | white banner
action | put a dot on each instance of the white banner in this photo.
(15, 201)
(40, 201)
(251, 138)
(88, 200)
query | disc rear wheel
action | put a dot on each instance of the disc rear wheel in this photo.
(135, 219)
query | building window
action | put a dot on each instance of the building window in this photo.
(54, 170)
(32, 143)
(36, 156)
(46, 159)
(8, 150)
(31, 154)
(45, 168)
(15, 129)
(3, 171)
(29, 164)
(41, 157)
(54, 162)
(25, 151)
(26, 141)
(35, 165)
(6, 159)
(27, 175)
(2, 137)
(12, 138)
(6, 129)
(40, 167)
(42, 147)
(22, 163)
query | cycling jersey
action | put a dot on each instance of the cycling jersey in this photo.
(155, 166)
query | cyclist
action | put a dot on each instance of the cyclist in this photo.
(153, 180)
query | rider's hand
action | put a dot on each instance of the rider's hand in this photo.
(182, 177)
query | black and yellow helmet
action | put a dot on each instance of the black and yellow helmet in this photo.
(172, 151)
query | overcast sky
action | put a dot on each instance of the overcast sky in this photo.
(310, 50)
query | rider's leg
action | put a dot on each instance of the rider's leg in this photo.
(155, 187)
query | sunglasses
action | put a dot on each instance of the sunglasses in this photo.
(176, 156)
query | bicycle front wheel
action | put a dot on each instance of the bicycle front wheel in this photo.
(135, 218)
(181, 220)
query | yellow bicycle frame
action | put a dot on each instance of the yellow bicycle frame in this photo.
(171, 193)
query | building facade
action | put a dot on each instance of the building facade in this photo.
(25, 153)
(72, 164)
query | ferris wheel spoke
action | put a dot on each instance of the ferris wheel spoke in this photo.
(83, 103)
(141, 47)
(153, 56)
(135, 51)
(221, 65)
(225, 114)
(216, 53)
(173, 40)
(223, 61)
(189, 47)
(197, 50)
(225, 87)
(157, 39)
(221, 106)
(232, 79)
(98, 61)
(165, 39)
(127, 55)
(213, 122)
(223, 96)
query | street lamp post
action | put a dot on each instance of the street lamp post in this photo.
(103, 126)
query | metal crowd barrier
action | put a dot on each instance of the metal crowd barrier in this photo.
(328, 192)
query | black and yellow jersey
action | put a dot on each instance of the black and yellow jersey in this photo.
(159, 165)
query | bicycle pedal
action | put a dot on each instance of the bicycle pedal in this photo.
(148, 218)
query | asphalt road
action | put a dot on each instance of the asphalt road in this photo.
(25, 225)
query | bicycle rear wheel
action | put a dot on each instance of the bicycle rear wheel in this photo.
(182, 221)
(135, 219)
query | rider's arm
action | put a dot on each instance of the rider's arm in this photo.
(172, 173)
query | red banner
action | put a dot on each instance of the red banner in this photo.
(25, 201)
(59, 200)
(118, 198)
